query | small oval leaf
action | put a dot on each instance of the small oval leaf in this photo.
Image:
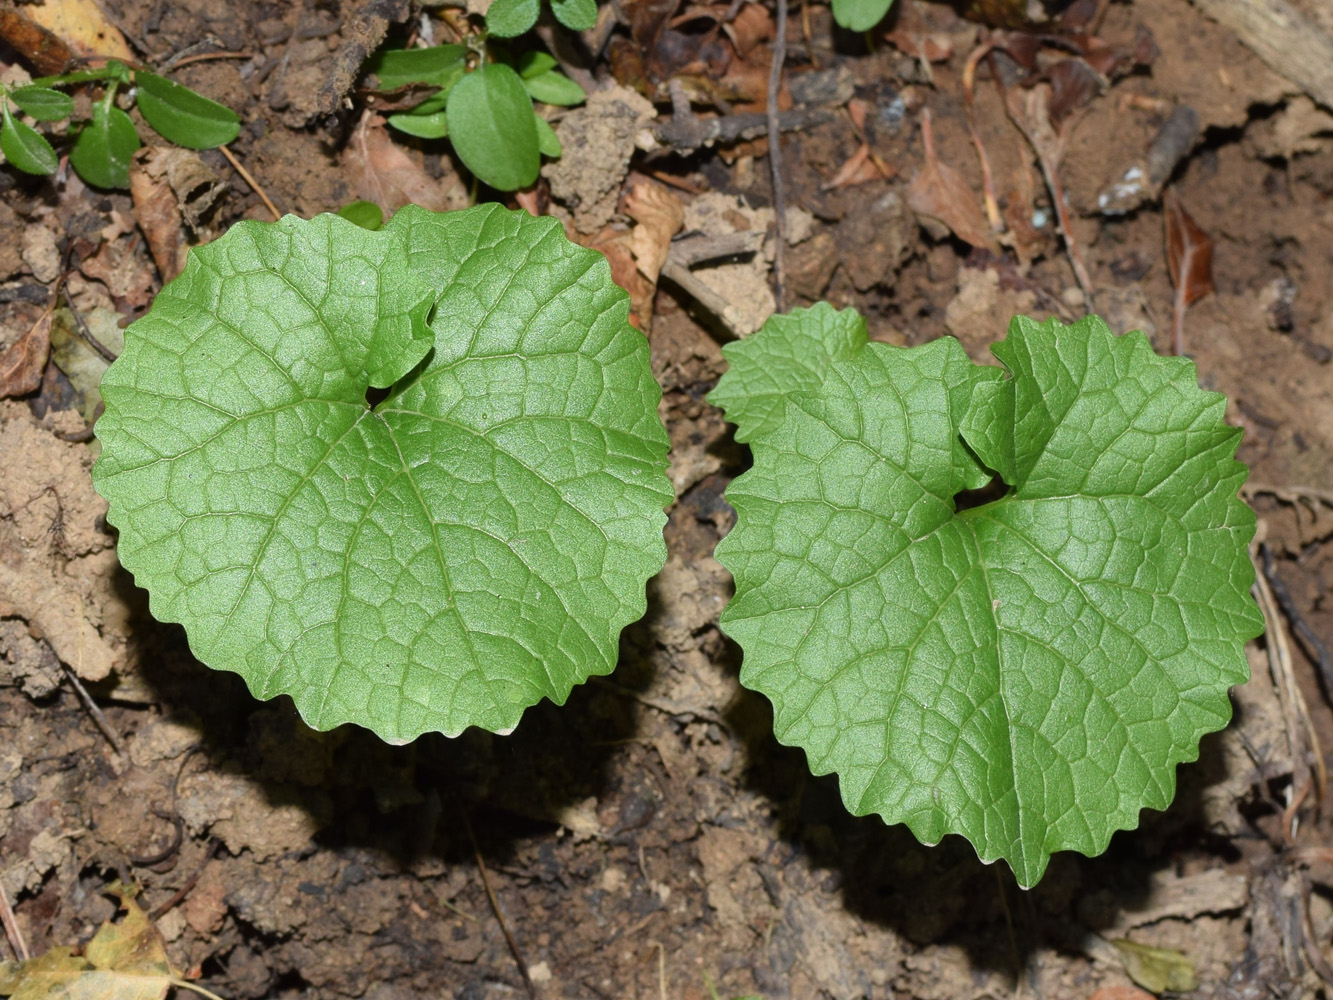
(554, 88)
(440, 65)
(547, 141)
(492, 129)
(576, 15)
(182, 116)
(102, 152)
(43, 103)
(511, 18)
(860, 15)
(365, 214)
(431, 126)
(25, 147)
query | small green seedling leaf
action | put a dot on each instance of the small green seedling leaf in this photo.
(554, 88)
(365, 214)
(547, 141)
(43, 103)
(102, 151)
(441, 65)
(472, 543)
(24, 146)
(1026, 673)
(429, 126)
(182, 116)
(511, 18)
(860, 15)
(576, 15)
(492, 129)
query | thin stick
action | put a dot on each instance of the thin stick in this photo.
(495, 908)
(254, 184)
(190, 882)
(88, 703)
(12, 927)
(207, 56)
(1314, 646)
(775, 157)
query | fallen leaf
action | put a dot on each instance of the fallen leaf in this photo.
(84, 27)
(159, 217)
(1157, 969)
(939, 192)
(658, 215)
(22, 364)
(863, 165)
(40, 47)
(126, 275)
(1189, 259)
(123, 961)
(381, 171)
(1121, 993)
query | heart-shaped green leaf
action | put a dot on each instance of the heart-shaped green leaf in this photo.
(492, 129)
(473, 543)
(1027, 673)
(182, 116)
(102, 151)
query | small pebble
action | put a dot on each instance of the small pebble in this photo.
(1072, 297)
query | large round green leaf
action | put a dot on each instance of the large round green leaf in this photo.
(1027, 673)
(473, 543)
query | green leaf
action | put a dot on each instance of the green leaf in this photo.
(576, 15)
(102, 151)
(554, 88)
(1027, 673)
(365, 214)
(181, 116)
(547, 141)
(431, 126)
(474, 543)
(441, 65)
(535, 63)
(492, 129)
(43, 103)
(23, 146)
(860, 15)
(511, 18)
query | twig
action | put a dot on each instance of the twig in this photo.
(88, 703)
(1313, 644)
(254, 184)
(12, 930)
(86, 333)
(190, 882)
(775, 156)
(207, 56)
(495, 907)
(685, 131)
(1292, 702)
(661, 952)
(969, 91)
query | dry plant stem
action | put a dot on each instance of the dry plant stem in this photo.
(1314, 646)
(209, 853)
(88, 703)
(1294, 710)
(1178, 310)
(12, 931)
(775, 157)
(514, 949)
(254, 184)
(987, 178)
(208, 56)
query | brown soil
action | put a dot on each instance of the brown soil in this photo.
(651, 835)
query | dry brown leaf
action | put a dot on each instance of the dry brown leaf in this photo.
(126, 275)
(1189, 258)
(83, 26)
(45, 51)
(123, 961)
(22, 364)
(382, 171)
(939, 192)
(159, 216)
(659, 215)
(752, 25)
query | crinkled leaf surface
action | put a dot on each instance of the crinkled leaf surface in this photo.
(1027, 673)
(474, 543)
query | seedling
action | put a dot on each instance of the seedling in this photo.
(104, 144)
(414, 478)
(1026, 672)
(483, 101)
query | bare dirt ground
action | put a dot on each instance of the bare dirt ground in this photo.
(651, 837)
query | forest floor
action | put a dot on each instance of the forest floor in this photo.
(651, 837)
